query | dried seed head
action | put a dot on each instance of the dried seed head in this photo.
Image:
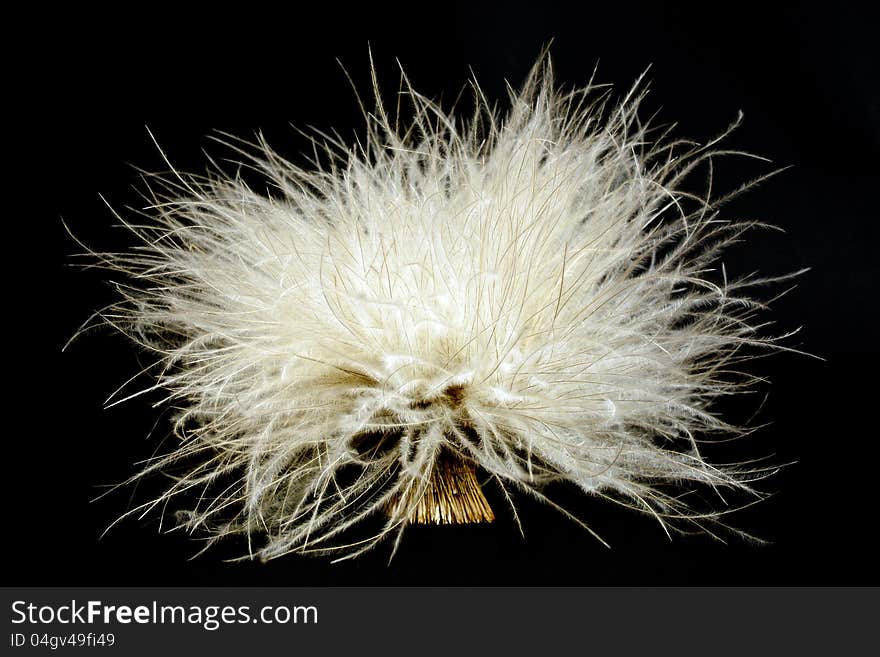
(530, 297)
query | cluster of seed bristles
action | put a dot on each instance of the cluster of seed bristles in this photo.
(529, 298)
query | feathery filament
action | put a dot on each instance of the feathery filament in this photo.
(505, 301)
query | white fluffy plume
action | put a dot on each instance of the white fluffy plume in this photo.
(533, 291)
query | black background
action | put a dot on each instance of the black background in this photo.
(82, 87)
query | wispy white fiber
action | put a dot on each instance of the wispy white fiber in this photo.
(533, 290)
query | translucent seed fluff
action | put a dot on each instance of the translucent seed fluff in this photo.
(446, 306)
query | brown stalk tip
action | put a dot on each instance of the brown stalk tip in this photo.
(453, 496)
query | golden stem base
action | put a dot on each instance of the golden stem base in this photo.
(453, 496)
